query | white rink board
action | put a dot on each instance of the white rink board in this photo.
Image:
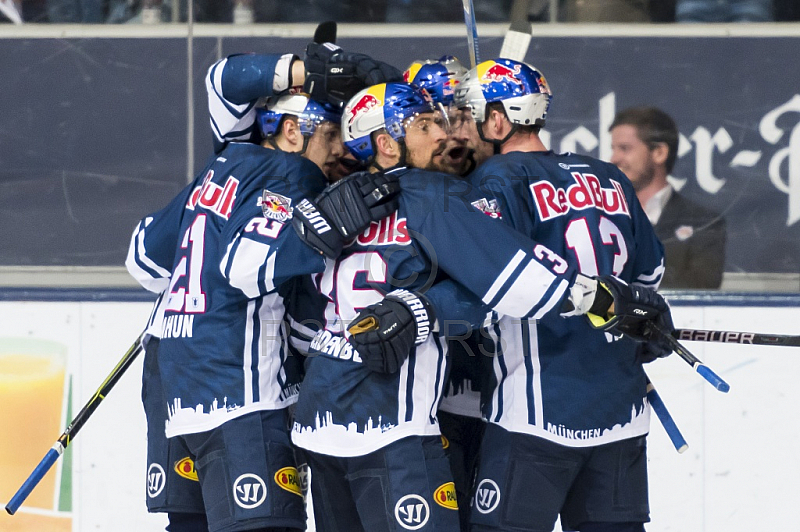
(740, 473)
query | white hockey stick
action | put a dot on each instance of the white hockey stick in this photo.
(472, 32)
(518, 37)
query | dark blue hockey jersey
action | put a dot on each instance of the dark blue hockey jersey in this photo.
(345, 409)
(227, 270)
(560, 378)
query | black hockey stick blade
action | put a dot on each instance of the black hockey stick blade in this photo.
(325, 32)
(736, 337)
(69, 434)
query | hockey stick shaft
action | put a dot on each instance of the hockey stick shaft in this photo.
(72, 429)
(518, 37)
(707, 373)
(736, 337)
(665, 418)
(472, 32)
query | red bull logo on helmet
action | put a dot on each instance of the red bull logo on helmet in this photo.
(496, 72)
(372, 98)
(275, 206)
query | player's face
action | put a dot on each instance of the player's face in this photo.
(426, 141)
(633, 156)
(345, 165)
(462, 142)
(325, 147)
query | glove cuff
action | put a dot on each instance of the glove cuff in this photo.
(316, 230)
(581, 296)
(421, 310)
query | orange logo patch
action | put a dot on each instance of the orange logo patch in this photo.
(445, 496)
(185, 468)
(288, 479)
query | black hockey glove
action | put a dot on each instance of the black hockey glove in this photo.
(344, 209)
(384, 333)
(335, 76)
(639, 313)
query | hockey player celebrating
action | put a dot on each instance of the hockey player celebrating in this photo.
(568, 414)
(366, 415)
(224, 367)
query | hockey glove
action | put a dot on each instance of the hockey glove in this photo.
(617, 307)
(384, 333)
(639, 313)
(344, 209)
(335, 76)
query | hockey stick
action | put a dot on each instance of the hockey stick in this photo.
(704, 371)
(518, 37)
(325, 32)
(735, 337)
(664, 416)
(72, 430)
(472, 32)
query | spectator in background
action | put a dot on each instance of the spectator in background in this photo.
(644, 144)
(724, 11)
(604, 11)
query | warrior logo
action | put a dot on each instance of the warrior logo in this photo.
(274, 206)
(487, 496)
(156, 479)
(498, 72)
(412, 512)
(249, 491)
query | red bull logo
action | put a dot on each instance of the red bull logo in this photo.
(498, 72)
(275, 206)
(586, 193)
(364, 104)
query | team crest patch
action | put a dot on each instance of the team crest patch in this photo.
(275, 206)
(488, 207)
(185, 468)
(445, 495)
(289, 479)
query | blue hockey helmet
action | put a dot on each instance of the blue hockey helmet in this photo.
(439, 78)
(309, 114)
(521, 89)
(383, 106)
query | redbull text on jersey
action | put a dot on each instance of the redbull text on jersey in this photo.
(388, 231)
(586, 193)
(213, 197)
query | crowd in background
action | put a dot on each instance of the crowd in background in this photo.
(394, 11)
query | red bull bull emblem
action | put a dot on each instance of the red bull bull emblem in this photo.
(275, 206)
(498, 72)
(364, 104)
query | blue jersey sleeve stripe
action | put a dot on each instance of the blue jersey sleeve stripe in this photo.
(529, 370)
(441, 370)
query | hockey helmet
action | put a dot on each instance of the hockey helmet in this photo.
(383, 106)
(309, 114)
(439, 78)
(521, 89)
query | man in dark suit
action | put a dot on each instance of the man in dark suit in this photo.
(644, 144)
